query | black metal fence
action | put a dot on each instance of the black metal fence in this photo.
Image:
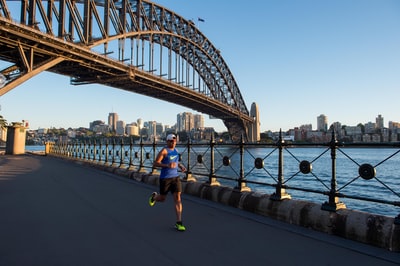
(317, 172)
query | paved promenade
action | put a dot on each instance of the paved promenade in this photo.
(56, 212)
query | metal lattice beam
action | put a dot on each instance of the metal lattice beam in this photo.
(135, 45)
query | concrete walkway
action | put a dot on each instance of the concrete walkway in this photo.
(56, 212)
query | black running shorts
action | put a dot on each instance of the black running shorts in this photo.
(170, 184)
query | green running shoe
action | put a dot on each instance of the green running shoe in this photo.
(180, 227)
(152, 202)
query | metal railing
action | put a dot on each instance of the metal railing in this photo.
(249, 166)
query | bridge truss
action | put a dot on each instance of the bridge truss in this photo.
(134, 45)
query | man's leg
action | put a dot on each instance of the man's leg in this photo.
(178, 206)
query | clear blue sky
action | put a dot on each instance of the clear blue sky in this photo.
(296, 58)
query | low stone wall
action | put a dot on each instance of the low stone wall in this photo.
(375, 230)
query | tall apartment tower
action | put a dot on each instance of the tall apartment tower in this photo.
(322, 123)
(152, 129)
(198, 121)
(185, 121)
(120, 129)
(254, 129)
(112, 121)
(379, 122)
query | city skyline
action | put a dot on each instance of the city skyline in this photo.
(301, 59)
(380, 117)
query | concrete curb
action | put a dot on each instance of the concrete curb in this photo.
(375, 230)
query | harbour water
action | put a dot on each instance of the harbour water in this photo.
(314, 186)
(385, 186)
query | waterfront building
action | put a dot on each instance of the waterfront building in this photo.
(198, 121)
(394, 131)
(394, 126)
(152, 130)
(71, 133)
(337, 127)
(112, 121)
(369, 128)
(185, 121)
(322, 123)
(379, 122)
(132, 129)
(42, 131)
(101, 129)
(318, 136)
(354, 133)
(95, 123)
(120, 129)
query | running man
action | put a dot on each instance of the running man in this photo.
(168, 160)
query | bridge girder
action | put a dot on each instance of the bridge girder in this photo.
(72, 32)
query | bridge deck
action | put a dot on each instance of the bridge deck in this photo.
(54, 212)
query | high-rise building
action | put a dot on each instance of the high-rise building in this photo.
(185, 121)
(198, 121)
(120, 129)
(159, 129)
(152, 129)
(112, 121)
(379, 122)
(322, 123)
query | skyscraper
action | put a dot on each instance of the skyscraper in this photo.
(198, 121)
(185, 121)
(322, 123)
(379, 122)
(120, 129)
(112, 121)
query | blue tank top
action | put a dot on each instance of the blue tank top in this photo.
(172, 156)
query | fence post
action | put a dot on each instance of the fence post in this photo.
(94, 151)
(189, 176)
(106, 153)
(67, 149)
(84, 150)
(280, 193)
(121, 153)
(100, 152)
(74, 147)
(154, 170)
(141, 166)
(79, 150)
(212, 179)
(333, 204)
(242, 186)
(130, 167)
(113, 162)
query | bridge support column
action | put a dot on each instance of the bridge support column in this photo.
(16, 135)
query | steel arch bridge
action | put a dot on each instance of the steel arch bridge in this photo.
(134, 45)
